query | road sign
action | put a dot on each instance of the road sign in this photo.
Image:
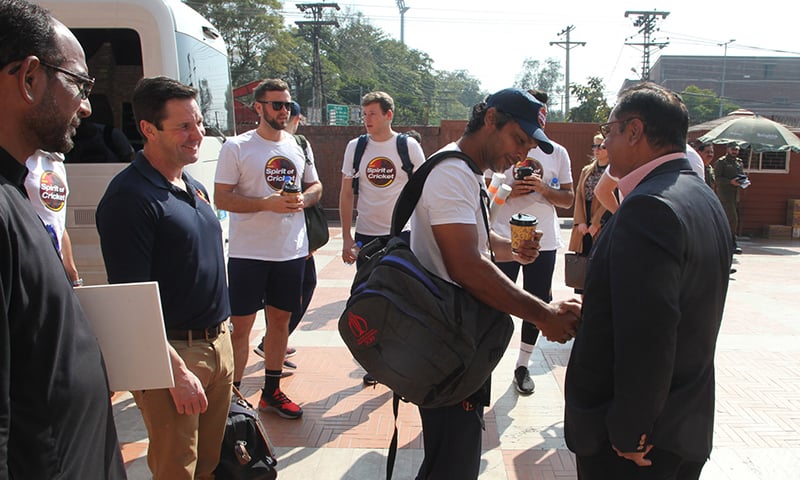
(338, 115)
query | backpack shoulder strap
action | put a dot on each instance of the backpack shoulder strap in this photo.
(413, 190)
(402, 151)
(360, 147)
(303, 142)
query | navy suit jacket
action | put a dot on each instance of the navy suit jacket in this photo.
(641, 369)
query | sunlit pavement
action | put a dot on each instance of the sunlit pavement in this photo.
(346, 427)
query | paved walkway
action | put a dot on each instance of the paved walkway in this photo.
(346, 428)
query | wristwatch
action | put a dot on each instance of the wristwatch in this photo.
(77, 283)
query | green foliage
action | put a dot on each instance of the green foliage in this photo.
(703, 104)
(593, 107)
(250, 28)
(547, 77)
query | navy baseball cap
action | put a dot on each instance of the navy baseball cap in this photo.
(295, 110)
(528, 112)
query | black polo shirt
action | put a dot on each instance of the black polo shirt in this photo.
(56, 419)
(152, 230)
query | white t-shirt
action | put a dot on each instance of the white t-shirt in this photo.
(695, 161)
(47, 189)
(554, 166)
(381, 179)
(258, 167)
(451, 195)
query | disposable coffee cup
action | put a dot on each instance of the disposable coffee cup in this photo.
(523, 227)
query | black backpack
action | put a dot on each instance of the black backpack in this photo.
(402, 150)
(427, 339)
(247, 453)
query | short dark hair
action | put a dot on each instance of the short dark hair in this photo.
(700, 146)
(540, 95)
(479, 114)
(151, 94)
(665, 116)
(270, 85)
(381, 98)
(415, 135)
(27, 29)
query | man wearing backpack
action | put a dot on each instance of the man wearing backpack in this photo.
(449, 238)
(372, 170)
(268, 241)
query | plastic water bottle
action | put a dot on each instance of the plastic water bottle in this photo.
(289, 188)
(554, 183)
(354, 251)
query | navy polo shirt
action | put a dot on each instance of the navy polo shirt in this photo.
(152, 230)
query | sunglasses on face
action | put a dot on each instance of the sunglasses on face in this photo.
(277, 106)
(598, 145)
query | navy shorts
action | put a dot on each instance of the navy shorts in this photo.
(253, 284)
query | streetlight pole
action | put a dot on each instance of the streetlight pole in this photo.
(724, 65)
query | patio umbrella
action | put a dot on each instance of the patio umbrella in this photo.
(758, 133)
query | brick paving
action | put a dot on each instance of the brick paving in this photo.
(346, 427)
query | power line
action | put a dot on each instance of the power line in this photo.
(646, 22)
(316, 10)
(567, 45)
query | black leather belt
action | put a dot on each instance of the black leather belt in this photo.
(209, 333)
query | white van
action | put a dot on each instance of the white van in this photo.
(125, 40)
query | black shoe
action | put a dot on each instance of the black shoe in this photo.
(369, 380)
(523, 381)
(737, 251)
(733, 270)
(289, 365)
(259, 350)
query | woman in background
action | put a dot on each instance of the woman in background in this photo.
(590, 214)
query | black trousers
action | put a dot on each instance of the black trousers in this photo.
(666, 466)
(451, 439)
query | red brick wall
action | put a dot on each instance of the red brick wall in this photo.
(763, 203)
(329, 144)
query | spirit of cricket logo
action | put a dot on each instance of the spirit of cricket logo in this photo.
(365, 336)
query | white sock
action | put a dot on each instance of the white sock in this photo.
(525, 351)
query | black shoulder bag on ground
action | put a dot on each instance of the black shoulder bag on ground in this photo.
(316, 221)
(247, 453)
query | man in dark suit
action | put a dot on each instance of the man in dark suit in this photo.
(640, 380)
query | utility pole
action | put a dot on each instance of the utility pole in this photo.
(314, 11)
(646, 22)
(724, 65)
(567, 45)
(401, 5)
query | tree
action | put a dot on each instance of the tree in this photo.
(456, 92)
(703, 104)
(250, 29)
(547, 77)
(592, 103)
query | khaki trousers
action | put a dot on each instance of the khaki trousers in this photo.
(187, 447)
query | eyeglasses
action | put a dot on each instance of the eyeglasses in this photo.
(605, 128)
(277, 106)
(598, 145)
(83, 82)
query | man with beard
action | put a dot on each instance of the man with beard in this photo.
(55, 414)
(449, 237)
(268, 241)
